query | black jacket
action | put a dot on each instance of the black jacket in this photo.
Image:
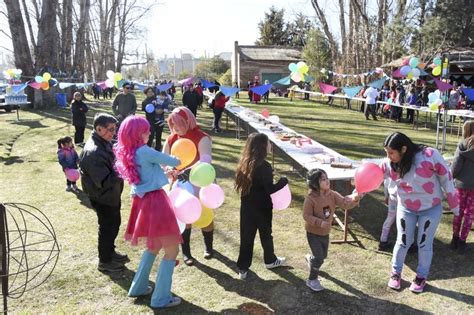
(151, 117)
(463, 166)
(100, 181)
(191, 99)
(79, 110)
(258, 199)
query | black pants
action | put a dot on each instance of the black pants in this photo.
(370, 111)
(217, 117)
(250, 222)
(109, 224)
(410, 115)
(155, 133)
(319, 248)
(193, 109)
(396, 113)
(306, 96)
(79, 134)
(69, 183)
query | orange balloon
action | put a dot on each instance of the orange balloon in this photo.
(422, 65)
(44, 85)
(185, 151)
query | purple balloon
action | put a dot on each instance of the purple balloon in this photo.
(150, 108)
(405, 70)
(205, 158)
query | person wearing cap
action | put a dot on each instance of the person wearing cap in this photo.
(125, 103)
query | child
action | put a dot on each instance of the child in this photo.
(68, 158)
(254, 181)
(79, 121)
(463, 173)
(390, 190)
(318, 211)
(152, 219)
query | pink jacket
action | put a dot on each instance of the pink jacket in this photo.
(426, 184)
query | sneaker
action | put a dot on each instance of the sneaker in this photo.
(149, 290)
(68, 188)
(314, 285)
(308, 260)
(418, 285)
(395, 281)
(279, 262)
(111, 266)
(118, 257)
(385, 246)
(243, 274)
(75, 188)
(208, 254)
(173, 302)
(461, 247)
(188, 261)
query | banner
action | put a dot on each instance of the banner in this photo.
(228, 90)
(206, 84)
(261, 89)
(352, 91)
(378, 84)
(442, 86)
(326, 88)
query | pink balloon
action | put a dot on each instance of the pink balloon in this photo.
(186, 207)
(282, 198)
(72, 174)
(368, 177)
(265, 113)
(205, 158)
(212, 196)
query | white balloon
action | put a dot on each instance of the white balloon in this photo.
(110, 74)
(274, 119)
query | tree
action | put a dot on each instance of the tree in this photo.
(272, 29)
(218, 65)
(317, 53)
(298, 30)
(226, 78)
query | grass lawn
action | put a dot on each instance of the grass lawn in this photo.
(355, 275)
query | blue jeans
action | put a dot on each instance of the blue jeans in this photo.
(407, 221)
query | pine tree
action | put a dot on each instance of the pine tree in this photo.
(273, 29)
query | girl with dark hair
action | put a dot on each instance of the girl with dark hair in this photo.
(68, 159)
(422, 179)
(254, 182)
(318, 211)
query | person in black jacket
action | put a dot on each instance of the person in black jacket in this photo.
(191, 99)
(104, 187)
(157, 117)
(254, 182)
(79, 121)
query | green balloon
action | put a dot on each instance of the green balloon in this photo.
(202, 175)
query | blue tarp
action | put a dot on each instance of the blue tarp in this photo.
(469, 93)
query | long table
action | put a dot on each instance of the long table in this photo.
(305, 154)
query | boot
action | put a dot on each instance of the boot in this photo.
(454, 242)
(186, 249)
(461, 247)
(140, 281)
(162, 294)
(208, 239)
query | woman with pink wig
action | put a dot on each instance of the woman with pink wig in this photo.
(183, 124)
(152, 220)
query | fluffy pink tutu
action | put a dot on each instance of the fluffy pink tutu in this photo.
(153, 222)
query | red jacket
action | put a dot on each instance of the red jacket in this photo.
(220, 100)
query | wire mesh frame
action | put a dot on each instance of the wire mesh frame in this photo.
(24, 267)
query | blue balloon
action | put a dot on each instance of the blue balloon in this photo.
(184, 185)
(405, 70)
(150, 108)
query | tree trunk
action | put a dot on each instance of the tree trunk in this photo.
(342, 22)
(79, 56)
(65, 20)
(48, 36)
(332, 43)
(21, 48)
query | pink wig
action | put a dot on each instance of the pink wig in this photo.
(130, 138)
(183, 118)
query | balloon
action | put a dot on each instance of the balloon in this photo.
(46, 76)
(386, 107)
(181, 226)
(433, 107)
(207, 215)
(378, 70)
(406, 61)
(296, 77)
(117, 76)
(274, 119)
(421, 65)
(109, 83)
(410, 75)
(368, 177)
(202, 175)
(206, 158)
(292, 66)
(437, 93)
(110, 75)
(53, 82)
(390, 101)
(282, 198)
(414, 62)
(304, 69)
(405, 70)
(185, 151)
(186, 206)
(150, 108)
(183, 185)
(72, 174)
(437, 71)
(431, 97)
(39, 79)
(212, 196)
(438, 102)
(437, 61)
(45, 85)
(265, 112)
(416, 73)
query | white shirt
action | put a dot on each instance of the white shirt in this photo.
(370, 95)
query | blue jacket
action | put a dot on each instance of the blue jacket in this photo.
(68, 158)
(151, 174)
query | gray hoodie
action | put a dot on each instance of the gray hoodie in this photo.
(463, 166)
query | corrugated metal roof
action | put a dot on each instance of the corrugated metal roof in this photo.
(270, 53)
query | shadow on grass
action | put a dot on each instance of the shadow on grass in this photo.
(11, 160)
(85, 201)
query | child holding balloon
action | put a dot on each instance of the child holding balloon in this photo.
(254, 181)
(152, 219)
(68, 158)
(155, 114)
(318, 210)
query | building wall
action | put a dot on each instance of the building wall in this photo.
(250, 68)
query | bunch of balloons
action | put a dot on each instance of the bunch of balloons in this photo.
(411, 68)
(113, 79)
(436, 66)
(190, 209)
(434, 100)
(12, 74)
(45, 81)
(298, 70)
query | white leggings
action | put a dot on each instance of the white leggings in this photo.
(391, 216)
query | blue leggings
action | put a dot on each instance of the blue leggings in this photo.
(407, 221)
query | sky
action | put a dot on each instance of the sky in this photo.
(212, 26)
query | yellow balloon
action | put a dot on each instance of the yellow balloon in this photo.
(185, 151)
(207, 215)
(46, 76)
(117, 76)
(437, 71)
